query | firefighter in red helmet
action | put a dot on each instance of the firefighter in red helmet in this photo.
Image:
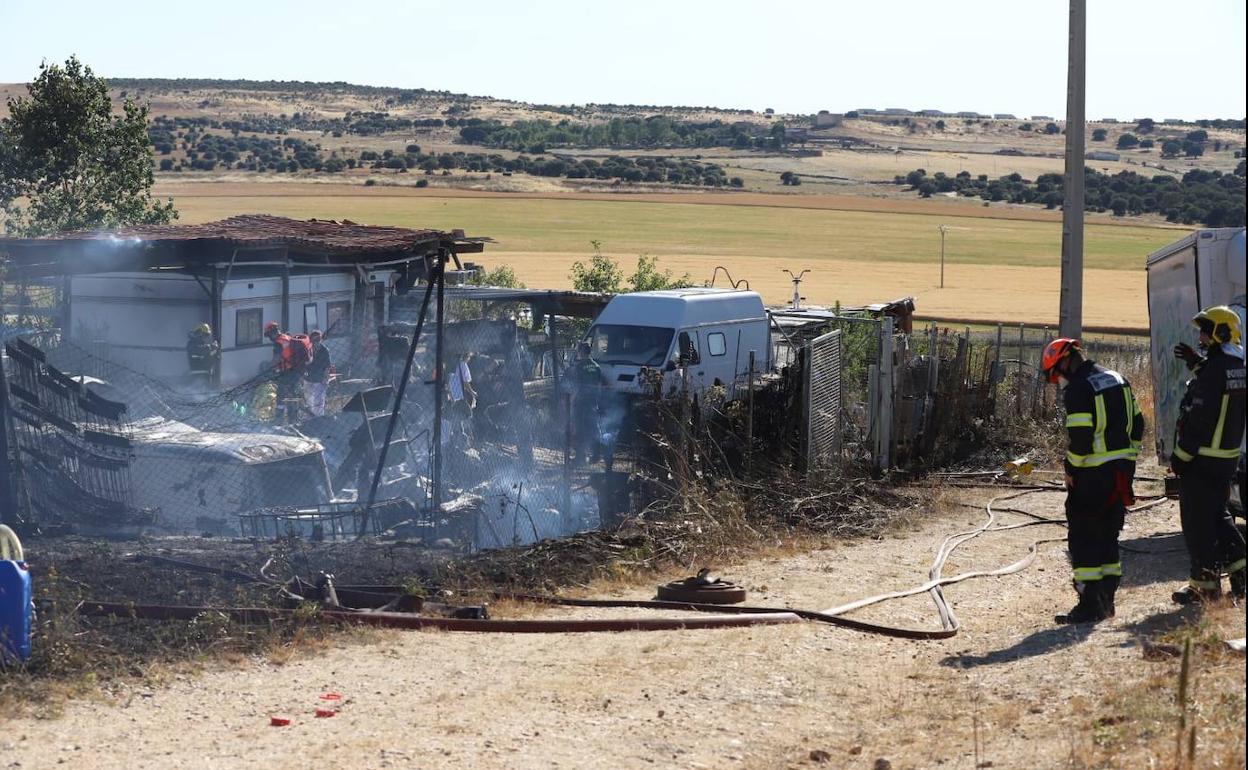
(1104, 428)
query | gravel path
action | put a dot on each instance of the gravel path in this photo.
(741, 698)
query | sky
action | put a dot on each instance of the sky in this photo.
(1146, 58)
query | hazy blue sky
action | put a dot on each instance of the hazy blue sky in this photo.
(1156, 58)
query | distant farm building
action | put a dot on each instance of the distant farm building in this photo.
(1042, 117)
(1102, 155)
(827, 119)
(1003, 116)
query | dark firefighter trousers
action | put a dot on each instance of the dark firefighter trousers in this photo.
(1213, 541)
(1096, 508)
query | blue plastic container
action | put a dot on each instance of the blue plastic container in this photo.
(16, 611)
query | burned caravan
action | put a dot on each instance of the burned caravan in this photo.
(200, 481)
(131, 296)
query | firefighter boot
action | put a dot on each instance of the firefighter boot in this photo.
(1237, 584)
(1109, 586)
(1089, 609)
(1207, 591)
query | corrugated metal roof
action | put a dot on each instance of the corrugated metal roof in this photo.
(266, 230)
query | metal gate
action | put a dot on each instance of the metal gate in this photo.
(823, 401)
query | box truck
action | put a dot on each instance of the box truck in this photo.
(1205, 268)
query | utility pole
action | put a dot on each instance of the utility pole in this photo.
(943, 230)
(1070, 314)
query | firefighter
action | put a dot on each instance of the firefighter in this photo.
(290, 356)
(203, 353)
(1104, 428)
(1206, 451)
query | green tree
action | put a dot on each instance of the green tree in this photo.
(1127, 141)
(68, 163)
(649, 278)
(1051, 128)
(602, 274)
(1099, 134)
(501, 276)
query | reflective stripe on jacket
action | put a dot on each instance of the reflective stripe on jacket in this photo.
(1103, 420)
(1211, 416)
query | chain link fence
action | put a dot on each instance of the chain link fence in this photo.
(504, 445)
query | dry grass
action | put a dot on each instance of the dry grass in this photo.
(1137, 723)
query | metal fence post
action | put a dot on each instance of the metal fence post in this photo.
(873, 412)
(1018, 379)
(749, 420)
(888, 392)
(998, 372)
(933, 389)
(8, 496)
(439, 394)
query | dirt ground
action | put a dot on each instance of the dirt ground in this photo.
(1010, 691)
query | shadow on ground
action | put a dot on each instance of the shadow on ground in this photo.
(1060, 637)
(1039, 643)
(1157, 559)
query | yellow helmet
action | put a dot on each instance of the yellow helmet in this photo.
(1219, 322)
(203, 329)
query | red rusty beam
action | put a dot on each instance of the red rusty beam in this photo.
(415, 622)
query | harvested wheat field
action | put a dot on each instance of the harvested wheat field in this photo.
(859, 249)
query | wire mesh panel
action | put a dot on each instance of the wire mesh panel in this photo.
(823, 406)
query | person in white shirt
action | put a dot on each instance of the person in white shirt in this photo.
(463, 397)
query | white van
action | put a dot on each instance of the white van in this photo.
(716, 328)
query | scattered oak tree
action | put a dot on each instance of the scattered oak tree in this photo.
(68, 163)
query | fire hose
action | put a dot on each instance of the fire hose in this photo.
(730, 615)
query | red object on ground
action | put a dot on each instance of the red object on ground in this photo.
(322, 712)
(332, 696)
(279, 721)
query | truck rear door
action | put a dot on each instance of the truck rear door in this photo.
(1172, 301)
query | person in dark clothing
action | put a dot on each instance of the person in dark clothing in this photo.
(316, 375)
(203, 352)
(392, 348)
(1104, 428)
(585, 379)
(1208, 437)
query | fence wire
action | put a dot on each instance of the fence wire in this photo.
(526, 451)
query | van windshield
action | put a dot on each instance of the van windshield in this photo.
(636, 345)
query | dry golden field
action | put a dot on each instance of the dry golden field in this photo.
(859, 249)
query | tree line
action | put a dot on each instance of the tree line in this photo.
(205, 151)
(1209, 197)
(653, 131)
